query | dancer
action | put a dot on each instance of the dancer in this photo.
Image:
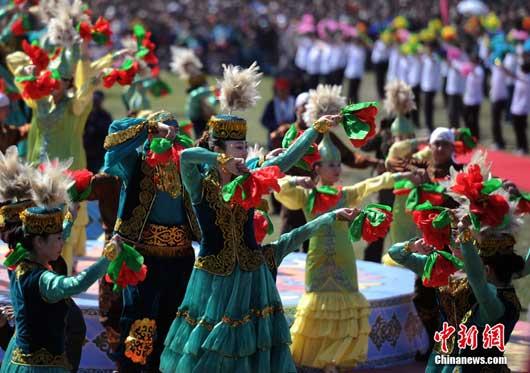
(331, 326)
(485, 296)
(155, 217)
(37, 292)
(231, 317)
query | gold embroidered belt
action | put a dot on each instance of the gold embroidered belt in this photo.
(41, 358)
(160, 240)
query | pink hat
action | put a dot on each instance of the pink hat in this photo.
(348, 30)
(306, 24)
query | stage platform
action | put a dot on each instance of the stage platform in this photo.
(396, 335)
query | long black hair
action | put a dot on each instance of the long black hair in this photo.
(504, 265)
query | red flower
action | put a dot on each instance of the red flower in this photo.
(326, 202)
(82, 179)
(41, 87)
(436, 199)
(371, 233)
(469, 183)
(366, 115)
(103, 27)
(110, 79)
(438, 238)
(17, 28)
(441, 271)
(173, 154)
(85, 31)
(155, 71)
(125, 77)
(128, 277)
(261, 226)
(258, 184)
(490, 209)
(37, 55)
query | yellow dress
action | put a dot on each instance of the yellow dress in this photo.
(57, 131)
(331, 324)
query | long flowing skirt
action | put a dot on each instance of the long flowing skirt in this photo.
(331, 328)
(231, 323)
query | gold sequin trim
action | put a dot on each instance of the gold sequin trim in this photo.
(11, 213)
(496, 245)
(254, 313)
(49, 223)
(120, 137)
(41, 358)
(162, 241)
(132, 227)
(25, 267)
(228, 128)
(139, 342)
(167, 179)
(230, 219)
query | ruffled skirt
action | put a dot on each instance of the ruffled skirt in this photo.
(331, 328)
(229, 323)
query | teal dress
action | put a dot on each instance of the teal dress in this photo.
(231, 318)
(469, 300)
(41, 299)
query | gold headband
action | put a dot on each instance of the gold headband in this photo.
(228, 127)
(492, 244)
(11, 213)
(42, 223)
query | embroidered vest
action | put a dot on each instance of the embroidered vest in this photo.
(40, 325)
(227, 233)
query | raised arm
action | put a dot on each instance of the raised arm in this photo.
(402, 255)
(292, 240)
(490, 306)
(54, 288)
(295, 152)
(190, 160)
(126, 135)
(16, 62)
(290, 195)
(354, 194)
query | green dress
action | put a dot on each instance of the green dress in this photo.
(231, 318)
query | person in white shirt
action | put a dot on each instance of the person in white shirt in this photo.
(379, 58)
(454, 89)
(473, 95)
(430, 81)
(313, 66)
(413, 78)
(510, 64)
(337, 59)
(305, 42)
(356, 53)
(498, 98)
(393, 60)
(520, 106)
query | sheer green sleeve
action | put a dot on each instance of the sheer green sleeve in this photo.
(413, 261)
(295, 152)
(292, 240)
(190, 161)
(54, 287)
(490, 306)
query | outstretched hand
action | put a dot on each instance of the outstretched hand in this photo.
(305, 182)
(347, 214)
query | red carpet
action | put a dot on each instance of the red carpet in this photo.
(508, 166)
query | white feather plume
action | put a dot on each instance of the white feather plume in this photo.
(184, 62)
(239, 87)
(399, 98)
(61, 31)
(130, 43)
(324, 100)
(15, 177)
(50, 186)
(62, 16)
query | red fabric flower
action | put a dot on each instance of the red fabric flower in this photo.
(261, 226)
(17, 28)
(41, 87)
(37, 55)
(436, 199)
(326, 202)
(102, 26)
(85, 31)
(258, 184)
(490, 209)
(82, 178)
(371, 233)
(469, 183)
(125, 77)
(441, 271)
(128, 277)
(173, 154)
(155, 71)
(366, 115)
(110, 79)
(438, 238)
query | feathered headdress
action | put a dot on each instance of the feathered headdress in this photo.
(62, 17)
(324, 100)
(184, 62)
(50, 194)
(239, 87)
(15, 177)
(239, 91)
(399, 98)
(15, 187)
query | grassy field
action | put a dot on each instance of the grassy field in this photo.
(256, 133)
